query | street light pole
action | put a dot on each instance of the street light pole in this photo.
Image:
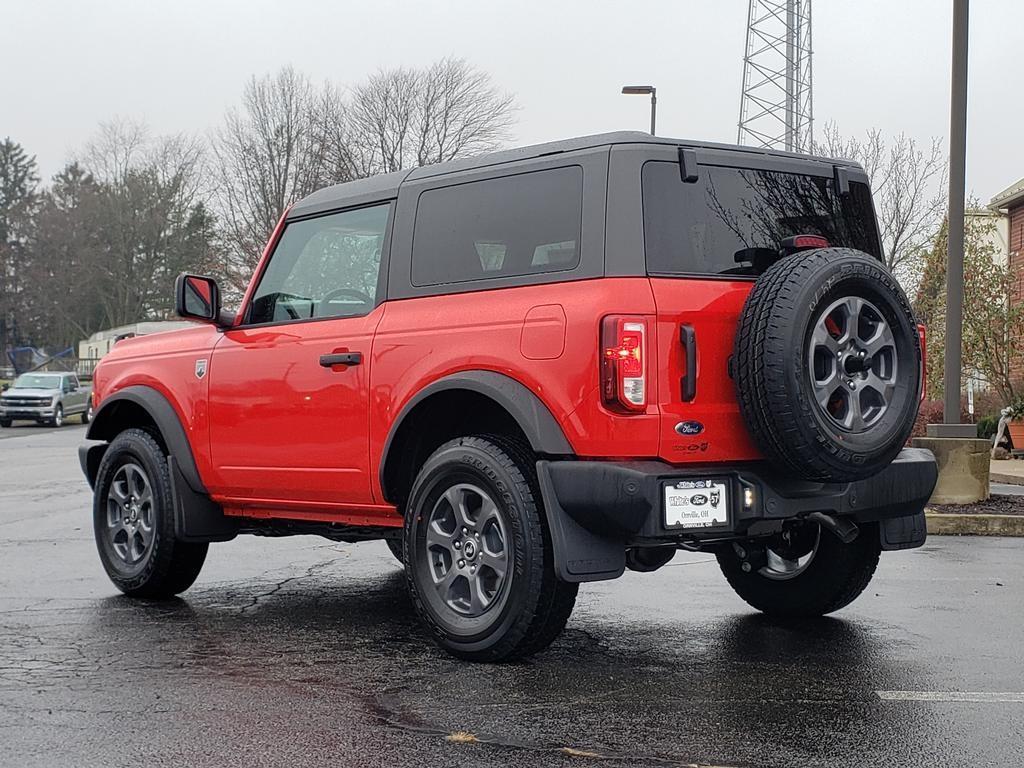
(645, 89)
(957, 184)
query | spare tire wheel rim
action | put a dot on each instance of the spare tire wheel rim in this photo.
(852, 360)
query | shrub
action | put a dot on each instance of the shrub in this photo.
(987, 426)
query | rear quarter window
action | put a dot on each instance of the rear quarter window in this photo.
(703, 227)
(509, 226)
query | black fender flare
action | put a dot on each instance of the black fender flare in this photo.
(106, 424)
(197, 518)
(528, 410)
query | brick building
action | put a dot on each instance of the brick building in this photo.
(1011, 202)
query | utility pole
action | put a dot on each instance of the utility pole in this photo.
(957, 185)
(951, 426)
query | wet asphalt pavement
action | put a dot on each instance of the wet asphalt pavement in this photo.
(299, 651)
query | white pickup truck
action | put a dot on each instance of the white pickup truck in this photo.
(46, 398)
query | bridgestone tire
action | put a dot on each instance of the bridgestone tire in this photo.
(537, 604)
(169, 566)
(773, 366)
(833, 579)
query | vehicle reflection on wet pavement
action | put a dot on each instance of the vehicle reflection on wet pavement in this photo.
(291, 651)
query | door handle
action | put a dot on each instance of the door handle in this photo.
(688, 338)
(341, 358)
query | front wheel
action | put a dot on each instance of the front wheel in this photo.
(5, 422)
(58, 417)
(480, 567)
(804, 571)
(133, 521)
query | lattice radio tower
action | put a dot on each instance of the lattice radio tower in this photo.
(776, 107)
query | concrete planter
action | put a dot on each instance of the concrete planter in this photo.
(963, 468)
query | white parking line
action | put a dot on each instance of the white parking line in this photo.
(987, 697)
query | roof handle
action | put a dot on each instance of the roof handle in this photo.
(688, 165)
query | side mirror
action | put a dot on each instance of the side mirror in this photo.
(197, 298)
(5, 387)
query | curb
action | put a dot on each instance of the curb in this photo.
(998, 477)
(974, 525)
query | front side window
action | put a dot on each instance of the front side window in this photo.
(517, 225)
(720, 224)
(327, 266)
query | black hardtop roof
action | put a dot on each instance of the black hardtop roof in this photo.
(376, 188)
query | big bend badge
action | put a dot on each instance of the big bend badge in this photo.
(200, 368)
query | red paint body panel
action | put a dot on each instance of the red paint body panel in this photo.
(166, 362)
(422, 340)
(282, 426)
(712, 308)
(274, 434)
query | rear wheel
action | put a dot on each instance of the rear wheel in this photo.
(133, 521)
(5, 422)
(805, 571)
(480, 566)
(87, 413)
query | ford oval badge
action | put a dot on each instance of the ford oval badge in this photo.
(689, 427)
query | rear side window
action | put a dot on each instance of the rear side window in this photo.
(513, 225)
(716, 225)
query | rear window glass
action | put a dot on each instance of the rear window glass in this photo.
(509, 226)
(716, 225)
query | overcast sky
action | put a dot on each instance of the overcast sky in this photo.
(66, 65)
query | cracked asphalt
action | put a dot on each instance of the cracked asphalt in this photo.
(299, 651)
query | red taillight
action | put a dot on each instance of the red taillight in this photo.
(623, 363)
(923, 336)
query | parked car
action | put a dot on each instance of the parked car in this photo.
(533, 369)
(46, 398)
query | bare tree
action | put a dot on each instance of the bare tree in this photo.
(289, 138)
(907, 183)
(400, 118)
(151, 211)
(268, 154)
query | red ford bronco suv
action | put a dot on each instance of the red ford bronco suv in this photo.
(533, 369)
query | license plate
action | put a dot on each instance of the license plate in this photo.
(696, 504)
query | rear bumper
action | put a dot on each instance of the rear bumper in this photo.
(620, 504)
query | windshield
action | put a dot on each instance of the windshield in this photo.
(37, 381)
(720, 224)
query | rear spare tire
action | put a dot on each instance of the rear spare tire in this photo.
(828, 365)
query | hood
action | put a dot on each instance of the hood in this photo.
(19, 393)
(197, 335)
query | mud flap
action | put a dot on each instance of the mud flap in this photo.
(903, 532)
(580, 555)
(196, 517)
